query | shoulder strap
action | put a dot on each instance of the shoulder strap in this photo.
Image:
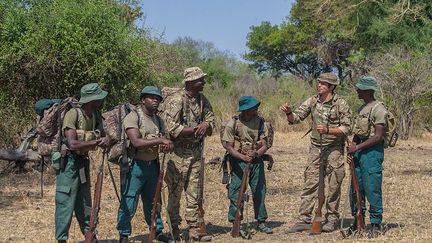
(369, 117)
(159, 124)
(235, 118)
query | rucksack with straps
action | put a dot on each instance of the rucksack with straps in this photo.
(226, 158)
(114, 128)
(269, 139)
(49, 126)
(390, 134)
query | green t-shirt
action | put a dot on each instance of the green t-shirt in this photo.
(246, 132)
(149, 128)
(84, 125)
(83, 122)
(368, 116)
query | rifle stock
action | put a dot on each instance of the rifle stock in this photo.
(94, 217)
(235, 232)
(354, 182)
(202, 231)
(316, 223)
(157, 205)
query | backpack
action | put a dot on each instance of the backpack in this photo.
(390, 134)
(269, 139)
(113, 126)
(49, 126)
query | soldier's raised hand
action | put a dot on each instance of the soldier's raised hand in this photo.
(286, 108)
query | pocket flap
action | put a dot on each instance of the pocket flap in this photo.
(375, 169)
(64, 189)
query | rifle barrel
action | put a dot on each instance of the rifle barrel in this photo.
(235, 232)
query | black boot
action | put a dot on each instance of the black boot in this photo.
(123, 239)
(375, 231)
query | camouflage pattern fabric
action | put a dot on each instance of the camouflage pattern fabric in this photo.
(113, 128)
(48, 127)
(180, 111)
(334, 172)
(335, 113)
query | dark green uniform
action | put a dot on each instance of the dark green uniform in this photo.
(73, 181)
(368, 162)
(245, 135)
(142, 178)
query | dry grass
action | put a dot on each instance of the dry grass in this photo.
(25, 217)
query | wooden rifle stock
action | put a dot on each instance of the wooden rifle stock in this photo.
(316, 224)
(94, 217)
(157, 205)
(202, 231)
(354, 182)
(235, 232)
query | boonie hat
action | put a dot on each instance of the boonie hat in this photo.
(193, 73)
(90, 92)
(247, 102)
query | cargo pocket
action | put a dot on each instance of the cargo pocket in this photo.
(375, 169)
(62, 194)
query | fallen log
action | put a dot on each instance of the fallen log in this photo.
(18, 155)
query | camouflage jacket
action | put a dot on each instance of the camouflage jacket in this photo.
(335, 114)
(180, 111)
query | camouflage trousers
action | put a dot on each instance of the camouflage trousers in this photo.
(182, 175)
(334, 173)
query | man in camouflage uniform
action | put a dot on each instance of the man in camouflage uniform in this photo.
(80, 132)
(245, 139)
(369, 128)
(331, 121)
(145, 131)
(189, 117)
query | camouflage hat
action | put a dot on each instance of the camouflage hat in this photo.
(90, 92)
(247, 102)
(152, 90)
(193, 73)
(367, 83)
(330, 78)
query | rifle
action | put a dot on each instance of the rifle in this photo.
(354, 182)
(316, 224)
(157, 205)
(235, 232)
(94, 217)
(202, 231)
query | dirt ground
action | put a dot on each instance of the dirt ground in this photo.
(26, 217)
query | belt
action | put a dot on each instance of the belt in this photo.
(188, 145)
(146, 162)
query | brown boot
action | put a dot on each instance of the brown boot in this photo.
(194, 235)
(299, 227)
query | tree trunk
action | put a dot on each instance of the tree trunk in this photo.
(17, 155)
